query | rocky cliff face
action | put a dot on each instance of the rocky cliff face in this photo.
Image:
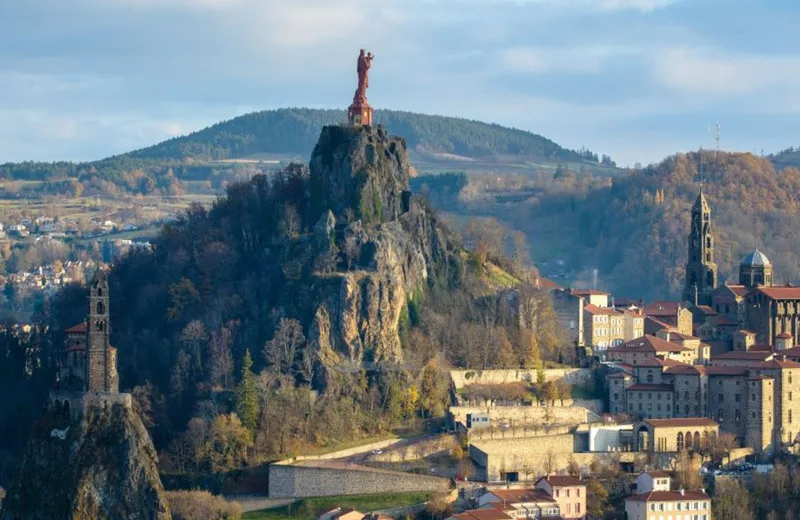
(359, 180)
(103, 468)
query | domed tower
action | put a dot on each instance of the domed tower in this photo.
(755, 269)
(701, 271)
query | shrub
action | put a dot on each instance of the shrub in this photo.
(201, 505)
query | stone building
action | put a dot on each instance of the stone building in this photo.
(673, 314)
(673, 435)
(568, 308)
(751, 395)
(755, 270)
(771, 311)
(701, 270)
(90, 363)
(650, 347)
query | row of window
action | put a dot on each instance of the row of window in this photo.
(679, 506)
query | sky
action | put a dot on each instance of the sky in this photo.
(635, 79)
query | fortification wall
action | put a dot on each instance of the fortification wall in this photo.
(77, 403)
(293, 481)
(570, 412)
(573, 376)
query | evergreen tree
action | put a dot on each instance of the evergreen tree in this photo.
(246, 406)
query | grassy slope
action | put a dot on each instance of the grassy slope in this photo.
(307, 508)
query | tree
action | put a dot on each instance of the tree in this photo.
(687, 471)
(731, 501)
(596, 498)
(229, 443)
(246, 405)
(281, 351)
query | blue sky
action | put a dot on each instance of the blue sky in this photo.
(637, 79)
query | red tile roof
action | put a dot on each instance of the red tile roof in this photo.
(648, 343)
(562, 481)
(517, 496)
(647, 387)
(684, 369)
(658, 362)
(546, 283)
(739, 290)
(662, 308)
(680, 422)
(657, 474)
(707, 310)
(778, 363)
(80, 327)
(482, 514)
(659, 323)
(668, 496)
(791, 353)
(784, 335)
(594, 309)
(781, 293)
(748, 355)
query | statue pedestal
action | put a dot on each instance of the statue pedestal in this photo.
(360, 114)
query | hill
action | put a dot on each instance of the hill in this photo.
(786, 158)
(633, 228)
(295, 131)
(253, 143)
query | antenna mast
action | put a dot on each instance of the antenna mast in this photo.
(718, 137)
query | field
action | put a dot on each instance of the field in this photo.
(308, 508)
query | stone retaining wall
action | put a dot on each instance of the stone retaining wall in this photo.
(573, 376)
(292, 481)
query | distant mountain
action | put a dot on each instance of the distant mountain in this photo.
(295, 131)
(237, 149)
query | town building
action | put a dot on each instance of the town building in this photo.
(568, 491)
(650, 347)
(655, 500)
(753, 395)
(666, 314)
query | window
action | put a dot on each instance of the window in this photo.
(790, 396)
(568, 493)
(616, 397)
(100, 308)
(753, 396)
(721, 398)
(578, 508)
(790, 417)
(738, 416)
(738, 397)
(556, 493)
(578, 493)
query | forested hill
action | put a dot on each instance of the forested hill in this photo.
(788, 157)
(295, 131)
(634, 228)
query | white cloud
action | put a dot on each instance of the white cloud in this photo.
(705, 72)
(645, 6)
(537, 60)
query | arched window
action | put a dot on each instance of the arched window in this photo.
(688, 439)
(696, 440)
(99, 291)
(686, 395)
(710, 278)
(99, 325)
(708, 242)
(100, 308)
(649, 378)
(680, 441)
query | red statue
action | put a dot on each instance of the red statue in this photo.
(360, 113)
(364, 63)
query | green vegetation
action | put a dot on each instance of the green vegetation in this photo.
(307, 508)
(286, 135)
(633, 228)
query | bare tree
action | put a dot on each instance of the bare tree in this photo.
(281, 350)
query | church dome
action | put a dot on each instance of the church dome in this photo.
(756, 258)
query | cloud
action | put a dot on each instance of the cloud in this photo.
(694, 71)
(644, 6)
(537, 60)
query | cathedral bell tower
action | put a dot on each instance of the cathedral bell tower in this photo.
(701, 271)
(101, 373)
